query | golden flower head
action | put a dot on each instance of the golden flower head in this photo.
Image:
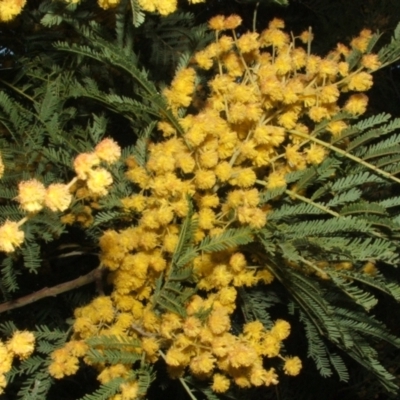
(10, 236)
(31, 195)
(10, 9)
(220, 383)
(360, 82)
(108, 150)
(356, 104)
(58, 197)
(130, 390)
(84, 163)
(370, 61)
(281, 329)
(217, 23)
(248, 42)
(315, 154)
(292, 366)
(306, 36)
(22, 344)
(6, 359)
(202, 363)
(98, 181)
(232, 22)
(276, 23)
(361, 42)
(104, 4)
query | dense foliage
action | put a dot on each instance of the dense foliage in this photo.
(214, 205)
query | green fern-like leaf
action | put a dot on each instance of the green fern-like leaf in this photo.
(105, 391)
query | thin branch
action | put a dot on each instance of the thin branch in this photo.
(348, 155)
(308, 201)
(92, 276)
(18, 91)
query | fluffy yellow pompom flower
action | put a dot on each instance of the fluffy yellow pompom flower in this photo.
(223, 171)
(58, 197)
(274, 37)
(336, 127)
(356, 104)
(78, 348)
(219, 321)
(233, 21)
(182, 88)
(317, 114)
(176, 357)
(192, 327)
(246, 178)
(369, 268)
(329, 94)
(206, 218)
(360, 82)
(151, 346)
(31, 195)
(6, 358)
(106, 4)
(205, 179)
(217, 23)
(315, 154)
(271, 345)
(10, 236)
(288, 119)
(241, 355)
(371, 61)
(253, 330)
(269, 134)
(259, 376)
(204, 59)
(361, 42)
(3, 383)
(248, 42)
(306, 36)
(166, 7)
(202, 364)
(220, 383)
(281, 329)
(108, 150)
(276, 179)
(130, 390)
(98, 181)
(9, 9)
(63, 364)
(84, 163)
(276, 23)
(292, 366)
(21, 344)
(328, 68)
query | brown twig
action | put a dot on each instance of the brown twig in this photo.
(92, 276)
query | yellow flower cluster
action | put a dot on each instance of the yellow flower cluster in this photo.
(21, 346)
(257, 124)
(9, 9)
(163, 7)
(319, 267)
(270, 93)
(65, 360)
(206, 347)
(11, 236)
(210, 350)
(33, 195)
